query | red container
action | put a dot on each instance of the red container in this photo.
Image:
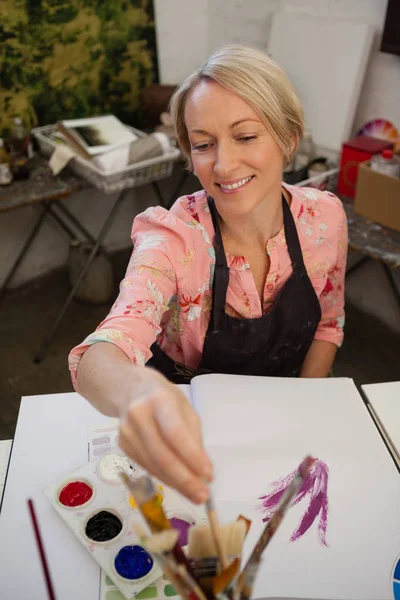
(355, 151)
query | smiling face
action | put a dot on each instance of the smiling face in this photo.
(236, 159)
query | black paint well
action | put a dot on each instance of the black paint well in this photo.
(103, 526)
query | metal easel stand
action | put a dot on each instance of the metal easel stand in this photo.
(47, 208)
(40, 354)
(35, 230)
(104, 230)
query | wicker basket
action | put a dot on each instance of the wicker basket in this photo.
(131, 176)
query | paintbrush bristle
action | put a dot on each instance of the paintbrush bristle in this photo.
(163, 542)
(201, 542)
(142, 488)
(305, 467)
(247, 523)
(125, 478)
(222, 580)
(140, 531)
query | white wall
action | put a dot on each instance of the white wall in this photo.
(248, 22)
(187, 31)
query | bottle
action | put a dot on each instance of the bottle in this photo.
(5, 172)
(306, 151)
(20, 143)
(386, 163)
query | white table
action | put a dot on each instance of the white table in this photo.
(52, 426)
(384, 404)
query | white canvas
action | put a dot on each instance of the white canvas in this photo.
(258, 430)
(326, 60)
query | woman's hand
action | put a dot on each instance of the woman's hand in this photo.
(160, 430)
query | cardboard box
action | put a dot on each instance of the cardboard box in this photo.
(378, 197)
(354, 152)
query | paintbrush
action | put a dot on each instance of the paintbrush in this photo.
(248, 575)
(42, 553)
(145, 496)
(149, 505)
(201, 543)
(205, 567)
(221, 583)
(216, 533)
(224, 584)
(159, 549)
(247, 523)
(161, 545)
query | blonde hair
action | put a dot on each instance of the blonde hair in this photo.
(258, 80)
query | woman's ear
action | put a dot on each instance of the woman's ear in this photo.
(293, 143)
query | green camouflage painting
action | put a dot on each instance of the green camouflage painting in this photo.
(62, 59)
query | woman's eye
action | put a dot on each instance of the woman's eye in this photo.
(201, 147)
(247, 138)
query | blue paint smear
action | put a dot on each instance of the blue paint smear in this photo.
(133, 562)
(396, 591)
(396, 574)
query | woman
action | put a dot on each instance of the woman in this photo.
(244, 277)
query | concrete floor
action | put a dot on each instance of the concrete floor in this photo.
(369, 354)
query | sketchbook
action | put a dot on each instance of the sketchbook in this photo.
(341, 538)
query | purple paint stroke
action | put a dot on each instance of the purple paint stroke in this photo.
(315, 486)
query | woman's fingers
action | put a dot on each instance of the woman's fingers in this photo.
(180, 427)
(141, 440)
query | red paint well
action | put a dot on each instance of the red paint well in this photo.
(75, 493)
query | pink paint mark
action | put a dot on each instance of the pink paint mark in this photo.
(315, 487)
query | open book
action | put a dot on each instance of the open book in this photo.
(257, 431)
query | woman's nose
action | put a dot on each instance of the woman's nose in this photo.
(226, 161)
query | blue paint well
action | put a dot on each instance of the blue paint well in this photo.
(396, 590)
(133, 562)
(396, 574)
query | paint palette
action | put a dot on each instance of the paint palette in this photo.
(97, 507)
(382, 129)
(161, 589)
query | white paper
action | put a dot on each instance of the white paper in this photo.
(385, 400)
(115, 160)
(60, 158)
(258, 430)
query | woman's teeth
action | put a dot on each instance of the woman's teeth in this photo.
(236, 185)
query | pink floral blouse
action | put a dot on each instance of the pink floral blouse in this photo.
(166, 292)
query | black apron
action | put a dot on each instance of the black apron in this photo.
(274, 344)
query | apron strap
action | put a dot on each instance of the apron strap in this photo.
(221, 271)
(292, 240)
